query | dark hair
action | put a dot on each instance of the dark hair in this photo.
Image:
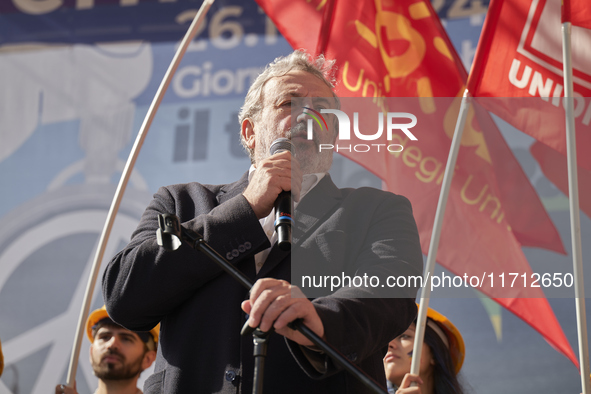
(445, 380)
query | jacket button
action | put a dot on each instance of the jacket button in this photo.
(229, 256)
(235, 253)
(247, 245)
(242, 249)
(230, 376)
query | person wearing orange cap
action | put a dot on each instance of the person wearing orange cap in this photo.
(441, 359)
(117, 355)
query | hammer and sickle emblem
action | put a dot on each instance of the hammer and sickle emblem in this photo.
(402, 48)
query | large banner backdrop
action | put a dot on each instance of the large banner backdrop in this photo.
(76, 79)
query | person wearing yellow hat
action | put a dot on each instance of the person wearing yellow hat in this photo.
(441, 359)
(117, 355)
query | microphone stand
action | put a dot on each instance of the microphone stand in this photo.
(171, 234)
(260, 339)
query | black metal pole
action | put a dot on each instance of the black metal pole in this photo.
(260, 339)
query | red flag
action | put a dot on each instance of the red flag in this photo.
(577, 12)
(554, 166)
(518, 68)
(400, 49)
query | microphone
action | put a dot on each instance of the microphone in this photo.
(284, 203)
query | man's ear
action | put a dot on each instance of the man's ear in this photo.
(90, 353)
(247, 132)
(148, 359)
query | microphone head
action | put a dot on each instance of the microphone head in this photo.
(280, 145)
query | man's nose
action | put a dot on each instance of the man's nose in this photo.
(113, 342)
(301, 105)
(301, 118)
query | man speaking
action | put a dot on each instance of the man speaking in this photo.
(202, 309)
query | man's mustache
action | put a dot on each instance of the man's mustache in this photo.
(300, 129)
(113, 352)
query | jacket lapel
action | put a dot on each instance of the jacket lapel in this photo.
(316, 207)
(232, 189)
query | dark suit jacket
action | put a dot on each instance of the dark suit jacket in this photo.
(355, 231)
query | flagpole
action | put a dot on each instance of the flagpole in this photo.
(191, 33)
(573, 199)
(436, 234)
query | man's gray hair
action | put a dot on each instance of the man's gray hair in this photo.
(297, 60)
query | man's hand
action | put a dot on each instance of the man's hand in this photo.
(63, 389)
(271, 305)
(272, 176)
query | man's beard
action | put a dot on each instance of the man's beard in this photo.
(122, 371)
(310, 158)
(301, 130)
